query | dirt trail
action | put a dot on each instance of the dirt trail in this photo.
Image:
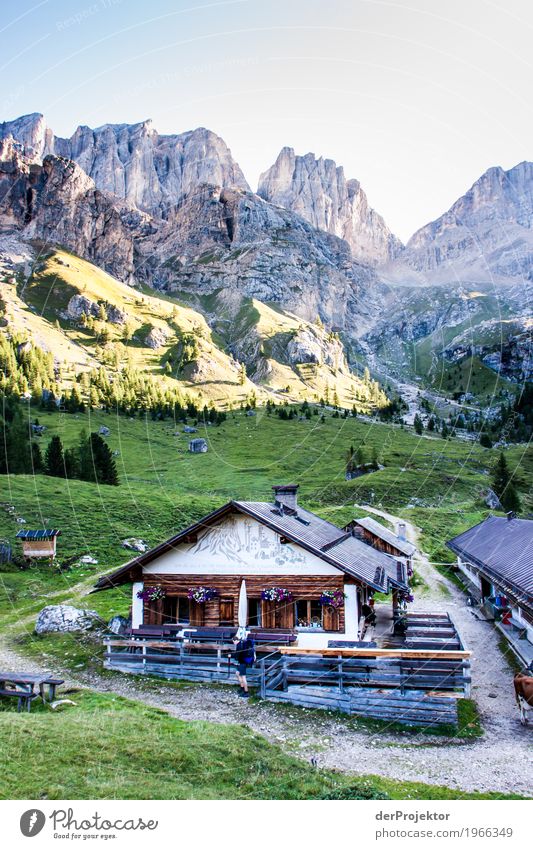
(500, 761)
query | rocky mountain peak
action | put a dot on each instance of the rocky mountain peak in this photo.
(487, 233)
(318, 190)
(134, 162)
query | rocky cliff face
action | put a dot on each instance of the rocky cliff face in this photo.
(134, 162)
(486, 235)
(215, 238)
(317, 190)
(57, 203)
(233, 240)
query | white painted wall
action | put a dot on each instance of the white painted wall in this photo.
(467, 570)
(351, 612)
(239, 545)
(137, 605)
(517, 613)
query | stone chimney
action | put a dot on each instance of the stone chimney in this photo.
(401, 531)
(286, 496)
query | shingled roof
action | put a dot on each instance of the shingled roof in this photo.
(503, 548)
(386, 535)
(323, 539)
(38, 535)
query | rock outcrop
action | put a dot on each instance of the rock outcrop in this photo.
(65, 617)
(317, 190)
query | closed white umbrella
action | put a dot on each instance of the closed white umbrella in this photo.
(243, 610)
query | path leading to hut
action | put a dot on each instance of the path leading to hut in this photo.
(499, 761)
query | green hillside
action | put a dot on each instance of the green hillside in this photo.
(87, 319)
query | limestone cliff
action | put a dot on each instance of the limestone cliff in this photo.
(317, 190)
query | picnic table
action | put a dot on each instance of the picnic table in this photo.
(23, 684)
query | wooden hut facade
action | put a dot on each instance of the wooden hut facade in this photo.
(288, 557)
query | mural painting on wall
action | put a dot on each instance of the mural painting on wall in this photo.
(245, 540)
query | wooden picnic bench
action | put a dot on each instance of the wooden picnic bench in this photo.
(23, 697)
(23, 687)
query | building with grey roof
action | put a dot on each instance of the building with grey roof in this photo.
(276, 544)
(496, 559)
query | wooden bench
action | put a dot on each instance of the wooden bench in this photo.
(210, 635)
(21, 696)
(52, 684)
(274, 636)
(161, 632)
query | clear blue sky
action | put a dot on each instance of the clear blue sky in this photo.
(416, 99)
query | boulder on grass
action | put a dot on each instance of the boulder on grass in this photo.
(65, 617)
(119, 625)
(135, 544)
(492, 500)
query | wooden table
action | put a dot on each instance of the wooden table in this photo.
(25, 683)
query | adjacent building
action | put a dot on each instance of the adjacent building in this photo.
(496, 558)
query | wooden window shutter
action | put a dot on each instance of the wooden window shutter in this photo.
(268, 614)
(330, 620)
(226, 611)
(197, 613)
(286, 614)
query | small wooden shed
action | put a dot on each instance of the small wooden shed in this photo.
(41, 543)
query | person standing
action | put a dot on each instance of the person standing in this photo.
(369, 618)
(245, 657)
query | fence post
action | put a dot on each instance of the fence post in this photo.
(284, 679)
(467, 684)
(263, 680)
(340, 674)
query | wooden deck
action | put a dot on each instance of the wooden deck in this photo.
(417, 686)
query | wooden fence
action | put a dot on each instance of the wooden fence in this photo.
(418, 687)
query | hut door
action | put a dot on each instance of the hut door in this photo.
(197, 614)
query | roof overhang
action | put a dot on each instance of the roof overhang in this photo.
(132, 570)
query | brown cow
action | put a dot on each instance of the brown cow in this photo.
(523, 687)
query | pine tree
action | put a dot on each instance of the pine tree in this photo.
(503, 486)
(84, 459)
(36, 458)
(54, 459)
(15, 458)
(419, 427)
(103, 462)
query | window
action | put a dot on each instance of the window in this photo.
(254, 611)
(308, 613)
(183, 613)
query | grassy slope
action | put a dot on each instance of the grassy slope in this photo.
(39, 306)
(61, 275)
(437, 484)
(131, 751)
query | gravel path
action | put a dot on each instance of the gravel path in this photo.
(500, 761)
